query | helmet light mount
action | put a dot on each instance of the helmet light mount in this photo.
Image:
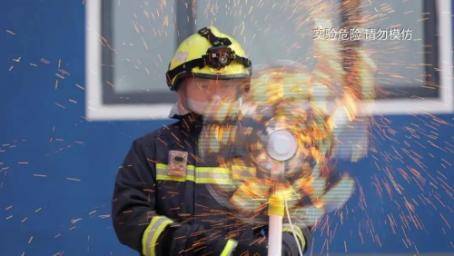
(219, 56)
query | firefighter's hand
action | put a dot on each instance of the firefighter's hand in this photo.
(289, 245)
(291, 235)
(251, 242)
(257, 245)
(246, 248)
(191, 239)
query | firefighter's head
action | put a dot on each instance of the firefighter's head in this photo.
(208, 67)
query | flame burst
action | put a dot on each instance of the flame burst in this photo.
(312, 106)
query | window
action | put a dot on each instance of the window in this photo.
(414, 76)
(128, 48)
(129, 44)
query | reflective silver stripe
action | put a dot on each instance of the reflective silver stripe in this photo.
(152, 233)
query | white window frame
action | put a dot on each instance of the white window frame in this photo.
(97, 111)
(444, 104)
(94, 108)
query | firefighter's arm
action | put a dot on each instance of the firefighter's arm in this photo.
(134, 216)
(133, 204)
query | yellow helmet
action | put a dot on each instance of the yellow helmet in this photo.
(208, 54)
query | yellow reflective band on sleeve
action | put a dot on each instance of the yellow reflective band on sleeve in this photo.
(151, 234)
(299, 234)
(229, 247)
(201, 175)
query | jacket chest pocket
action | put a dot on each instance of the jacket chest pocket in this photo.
(177, 166)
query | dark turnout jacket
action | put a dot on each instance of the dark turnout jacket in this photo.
(163, 200)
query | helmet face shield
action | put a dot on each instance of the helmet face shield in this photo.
(206, 89)
(207, 96)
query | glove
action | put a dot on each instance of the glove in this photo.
(252, 243)
(189, 239)
(193, 239)
(289, 244)
(259, 244)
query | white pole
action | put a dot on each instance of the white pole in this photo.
(275, 235)
(276, 214)
(281, 147)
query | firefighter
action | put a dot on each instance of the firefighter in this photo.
(161, 204)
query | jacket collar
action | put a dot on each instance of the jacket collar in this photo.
(192, 122)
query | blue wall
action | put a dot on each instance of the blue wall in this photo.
(57, 170)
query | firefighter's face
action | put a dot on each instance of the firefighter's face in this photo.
(202, 95)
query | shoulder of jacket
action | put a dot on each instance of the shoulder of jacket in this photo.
(161, 133)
